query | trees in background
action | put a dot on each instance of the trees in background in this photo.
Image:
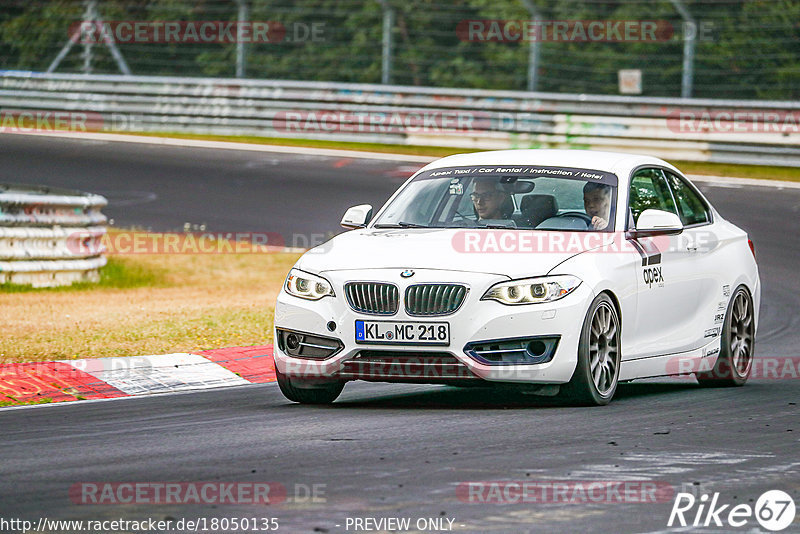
(748, 49)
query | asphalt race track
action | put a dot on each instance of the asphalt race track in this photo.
(392, 450)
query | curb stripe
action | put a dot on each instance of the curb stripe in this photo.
(106, 378)
(34, 381)
(141, 375)
(253, 364)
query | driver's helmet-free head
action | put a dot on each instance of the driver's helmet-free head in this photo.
(507, 204)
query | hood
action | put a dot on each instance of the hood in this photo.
(512, 253)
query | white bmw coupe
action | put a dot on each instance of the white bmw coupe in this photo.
(560, 272)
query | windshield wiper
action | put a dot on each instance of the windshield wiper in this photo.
(401, 224)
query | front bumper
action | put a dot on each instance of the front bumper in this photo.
(475, 321)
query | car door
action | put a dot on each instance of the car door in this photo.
(668, 284)
(703, 244)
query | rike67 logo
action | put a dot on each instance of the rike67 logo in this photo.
(774, 510)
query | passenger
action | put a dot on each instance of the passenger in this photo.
(490, 202)
(597, 203)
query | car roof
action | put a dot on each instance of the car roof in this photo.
(618, 163)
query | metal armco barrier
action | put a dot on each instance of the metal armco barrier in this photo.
(50, 237)
(731, 131)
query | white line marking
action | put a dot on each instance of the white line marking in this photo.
(723, 181)
(229, 145)
(723, 186)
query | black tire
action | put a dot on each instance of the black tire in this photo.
(596, 375)
(317, 394)
(737, 344)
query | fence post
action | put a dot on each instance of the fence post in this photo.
(241, 49)
(89, 14)
(689, 46)
(534, 48)
(387, 47)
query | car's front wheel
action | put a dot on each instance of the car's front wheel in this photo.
(735, 359)
(597, 372)
(308, 394)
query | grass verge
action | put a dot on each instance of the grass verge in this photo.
(147, 304)
(15, 402)
(119, 273)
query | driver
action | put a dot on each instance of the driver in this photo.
(489, 201)
(597, 203)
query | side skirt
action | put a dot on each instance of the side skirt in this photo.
(682, 363)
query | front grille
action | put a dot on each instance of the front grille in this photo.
(403, 366)
(434, 299)
(375, 298)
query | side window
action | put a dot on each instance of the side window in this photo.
(649, 190)
(691, 208)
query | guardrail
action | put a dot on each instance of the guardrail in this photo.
(50, 237)
(731, 131)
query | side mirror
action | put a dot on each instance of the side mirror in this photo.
(657, 222)
(357, 216)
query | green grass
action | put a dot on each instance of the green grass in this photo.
(763, 172)
(15, 402)
(148, 304)
(118, 273)
(690, 167)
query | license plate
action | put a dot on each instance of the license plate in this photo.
(403, 333)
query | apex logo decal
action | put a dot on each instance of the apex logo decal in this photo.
(651, 261)
(652, 275)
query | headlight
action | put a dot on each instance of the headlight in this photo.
(532, 290)
(307, 286)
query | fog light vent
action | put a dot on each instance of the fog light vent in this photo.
(302, 345)
(515, 351)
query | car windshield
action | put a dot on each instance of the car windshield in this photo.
(519, 197)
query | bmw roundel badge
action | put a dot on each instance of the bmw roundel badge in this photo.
(408, 273)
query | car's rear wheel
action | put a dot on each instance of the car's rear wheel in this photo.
(308, 393)
(735, 360)
(594, 381)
